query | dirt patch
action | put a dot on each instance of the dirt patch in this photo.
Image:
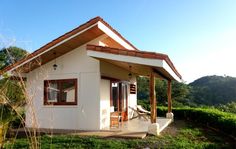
(174, 127)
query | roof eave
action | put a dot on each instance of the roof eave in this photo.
(137, 57)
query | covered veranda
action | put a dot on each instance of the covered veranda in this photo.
(134, 129)
(141, 63)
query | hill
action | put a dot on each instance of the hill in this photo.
(213, 90)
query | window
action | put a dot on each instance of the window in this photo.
(60, 92)
(132, 89)
(114, 95)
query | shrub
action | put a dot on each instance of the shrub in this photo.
(145, 104)
(223, 121)
(18, 120)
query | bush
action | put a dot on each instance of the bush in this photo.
(229, 107)
(145, 104)
(18, 120)
(225, 122)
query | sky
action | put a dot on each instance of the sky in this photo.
(199, 36)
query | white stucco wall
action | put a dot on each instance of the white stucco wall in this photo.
(84, 116)
(104, 104)
(93, 109)
(132, 101)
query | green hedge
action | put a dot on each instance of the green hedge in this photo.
(223, 121)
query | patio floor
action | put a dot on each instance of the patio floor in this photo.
(139, 127)
(136, 128)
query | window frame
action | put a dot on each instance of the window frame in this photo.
(59, 82)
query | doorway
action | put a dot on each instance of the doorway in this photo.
(119, 98)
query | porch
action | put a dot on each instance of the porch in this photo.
(121, 67)
(138, 128)
(135, 128)
(141, 125)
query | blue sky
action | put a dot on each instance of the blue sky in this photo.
(198, 35)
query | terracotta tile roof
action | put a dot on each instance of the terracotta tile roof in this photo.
(63, 37)
(142, 54)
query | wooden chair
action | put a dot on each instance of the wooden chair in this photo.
(140, 112)
(146, 114)
(141, 109)
(115, 119)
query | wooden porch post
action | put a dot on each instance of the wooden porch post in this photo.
(169, 96)
(152, 97)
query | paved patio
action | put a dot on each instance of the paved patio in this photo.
(139, 127)
(136, 128)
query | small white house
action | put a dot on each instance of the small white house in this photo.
(77, 80)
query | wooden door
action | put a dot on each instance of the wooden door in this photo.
(119, 98)
(123, 108)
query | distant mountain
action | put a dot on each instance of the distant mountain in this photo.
(213, 90)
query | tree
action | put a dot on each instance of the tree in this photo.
(161, 91)
(213, 90)
(180, 91)
(143, 88)
(229, 107)
(12, 97)
(11, 55)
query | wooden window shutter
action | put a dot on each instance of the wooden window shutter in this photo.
(132, 89)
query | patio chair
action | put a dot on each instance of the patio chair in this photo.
(141, 109)
(140, 113)
(115, 119)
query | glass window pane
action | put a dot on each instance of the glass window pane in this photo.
(121, 95)
(68, 91)
(124, 87)
(53, 92)
(115, 95)
(114, 84)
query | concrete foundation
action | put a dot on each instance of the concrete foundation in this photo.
(170, 115)
(154, 129)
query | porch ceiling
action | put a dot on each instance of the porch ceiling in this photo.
(141, 70)
(142, 63)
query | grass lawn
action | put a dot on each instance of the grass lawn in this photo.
(179, 135)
